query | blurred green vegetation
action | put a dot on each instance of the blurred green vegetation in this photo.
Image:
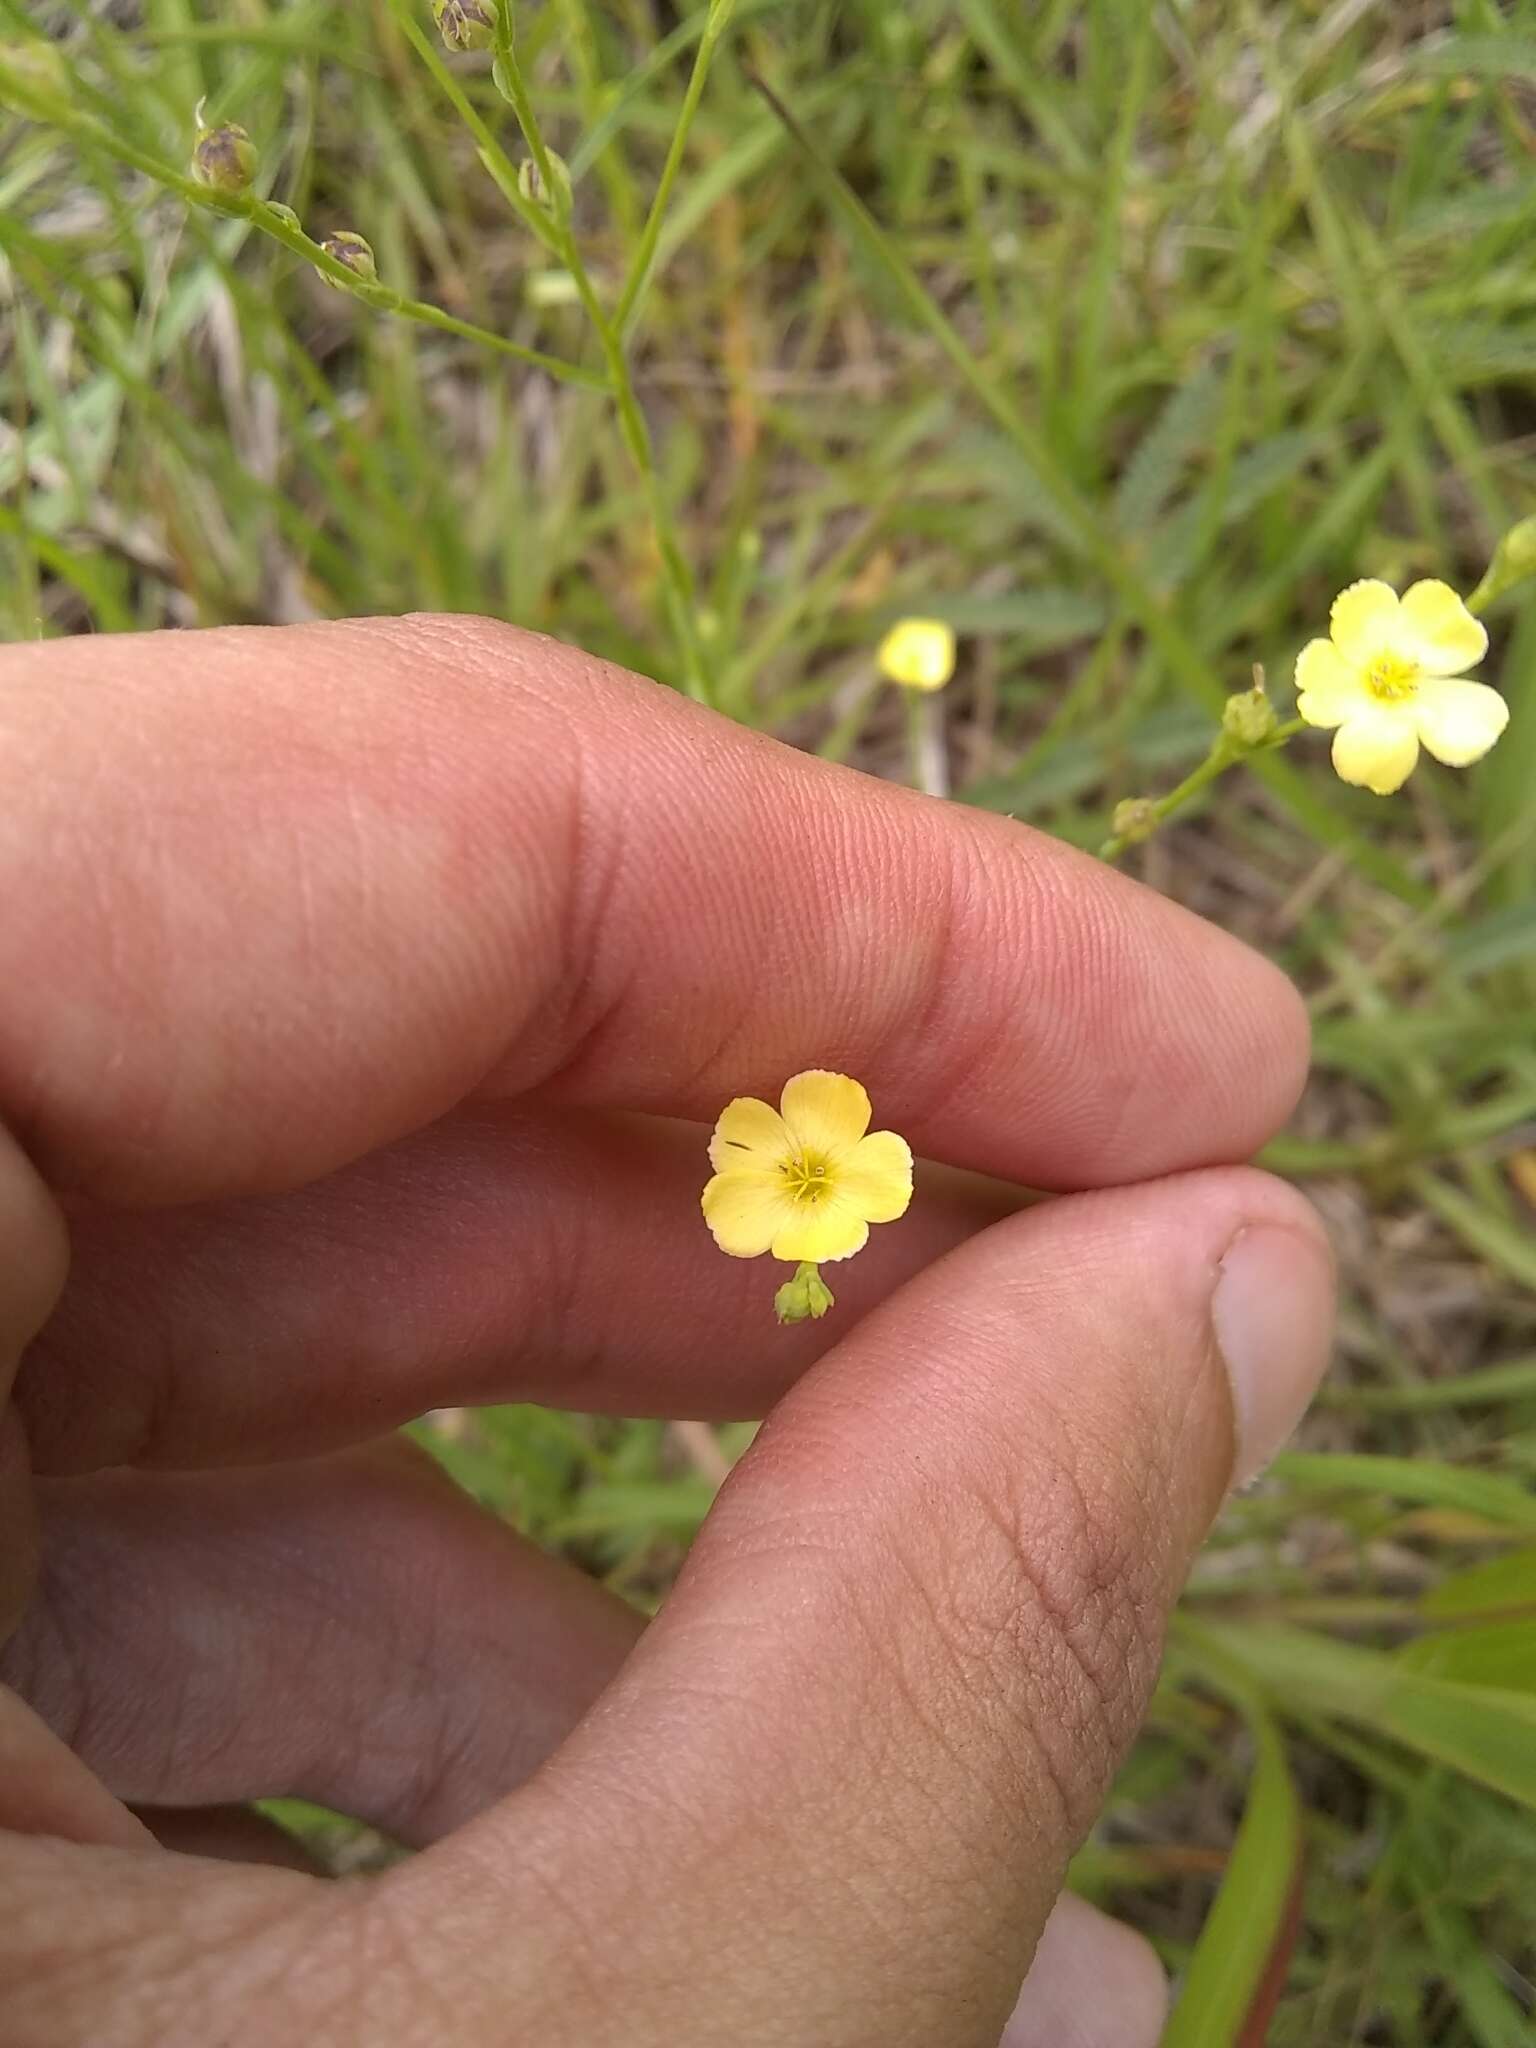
(1121, 336)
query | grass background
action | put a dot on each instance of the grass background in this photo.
(1183, 315)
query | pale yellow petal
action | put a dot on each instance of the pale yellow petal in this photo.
(829, 1231)
(918, 653)
(749, 1132)
(1445, 638)
(1327, 688)
(876, 1178)
(827, 1114)
(1363, 620)
(746, 1211)
(1458, 721)
(1377, 749)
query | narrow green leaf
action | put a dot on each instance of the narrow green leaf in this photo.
(1494, 1587)
(1424, 1480)
(675, 1507)
(1180, 430)
(1513, 1381)
(1493, 1236)
(1044, 618)
(1237, 1947)
(1488, 1735)
(1497, 940)
(1475, 56)
(1502, 1654)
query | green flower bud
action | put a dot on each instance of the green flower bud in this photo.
(277, 211)
(224, 158)
(804, 1299)
(551, 288)
(1134, 820)
(1514, 559)
(354, 252)
(466, 24)
(37, 66)
(1248, 719)
(531, 184)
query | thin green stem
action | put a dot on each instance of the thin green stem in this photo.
(1223, 755)
(271, 220)
(718, 21)
(926, 750)
(636, 435)
(610, 167)
(497, 163)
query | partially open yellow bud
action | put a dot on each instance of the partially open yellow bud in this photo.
(919, 654)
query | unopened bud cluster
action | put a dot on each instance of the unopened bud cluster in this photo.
(804, 1299)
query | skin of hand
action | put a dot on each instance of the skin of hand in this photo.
(365, 990)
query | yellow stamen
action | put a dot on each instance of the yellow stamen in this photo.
(806, 1179)
(1390, 679)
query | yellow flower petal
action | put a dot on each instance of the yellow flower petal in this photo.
(1327, 688)
(1363, 620)
(827, 1114)
(1458, 721)
(748, 1133)
(1445, 637)
(1376, 750)
(830, 1231)
(877, 1177)
(746, 1212)
(918, 653)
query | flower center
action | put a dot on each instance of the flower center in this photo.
(1390, 679)
(806, 1178)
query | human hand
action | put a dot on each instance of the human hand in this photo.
(353, 980)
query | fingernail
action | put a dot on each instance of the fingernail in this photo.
(1273, 1317)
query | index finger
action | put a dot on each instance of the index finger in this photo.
(276, 896)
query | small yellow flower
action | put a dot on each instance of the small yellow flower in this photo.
(1388, 679)
(804, 1181)
(918, 653)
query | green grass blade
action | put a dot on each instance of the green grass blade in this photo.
(1235, 1957)
(1498, 1586)
(1501, 1654)
(1493, 1236)
(1488, 1735)
(1423, 1480)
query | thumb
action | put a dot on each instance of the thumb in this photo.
(833, 1794)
